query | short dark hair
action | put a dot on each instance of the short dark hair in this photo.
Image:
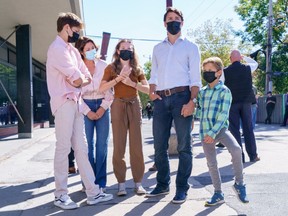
(174, 10)
(68, 18)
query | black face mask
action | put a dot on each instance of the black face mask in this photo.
(209, 76)
(173, 27)
(126, 54)
(74, 37)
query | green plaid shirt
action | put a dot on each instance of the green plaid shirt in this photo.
(213, 110)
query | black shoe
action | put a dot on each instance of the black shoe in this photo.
(157, 192)
(283, 125)
(220, 145)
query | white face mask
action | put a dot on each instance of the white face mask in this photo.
(90, 55)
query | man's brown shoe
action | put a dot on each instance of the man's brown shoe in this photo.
(153, 168)
(255, 159)
(72, 170)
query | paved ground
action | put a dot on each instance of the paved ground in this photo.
(26, 180)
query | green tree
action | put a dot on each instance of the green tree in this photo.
(214, 39)
(217, 38)
(147, 71)
(254, 13)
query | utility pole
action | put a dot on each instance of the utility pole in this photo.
(268, 83)
(105, 44)
(168, 3)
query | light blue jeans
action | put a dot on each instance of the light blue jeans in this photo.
(97, 153)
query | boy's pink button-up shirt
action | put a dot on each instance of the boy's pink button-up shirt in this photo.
(63, 61)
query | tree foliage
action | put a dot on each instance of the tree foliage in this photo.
(254, 13)
(214, 39)
(144, 97)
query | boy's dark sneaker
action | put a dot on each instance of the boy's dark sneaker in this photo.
(220, 145)
(157, 192)
(217, 198)
(179, 198)
(241, 192)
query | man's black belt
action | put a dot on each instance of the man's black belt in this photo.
(169, 92)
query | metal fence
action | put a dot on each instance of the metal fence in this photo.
(278, 113)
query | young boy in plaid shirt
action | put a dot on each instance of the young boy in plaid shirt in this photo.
(213, 111)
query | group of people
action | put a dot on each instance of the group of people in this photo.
(8, 114)
(86, 94)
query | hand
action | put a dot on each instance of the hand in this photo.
(188, 109)
(76, 83)
(153, 96)
(208, 139)
(125, 72)
(91, 115)
(128, 81)
(100, 112)
(86, 81)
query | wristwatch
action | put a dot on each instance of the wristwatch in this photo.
(194, 100)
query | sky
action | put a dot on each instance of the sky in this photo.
(143, 19)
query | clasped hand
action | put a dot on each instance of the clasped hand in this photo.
(188, 109)
(96, 115)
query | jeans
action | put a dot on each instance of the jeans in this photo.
(97, 153)
(254, 114)
(166, 110)
(242, 111)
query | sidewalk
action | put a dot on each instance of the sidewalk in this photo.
(27, 183)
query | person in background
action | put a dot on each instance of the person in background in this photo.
(214, 104)
(242, 98)
(286, 112)
(96, 110)
(149, 110)
(71, 164)
(270, 106)
(66, 75)
(174, 85)
(127, 78)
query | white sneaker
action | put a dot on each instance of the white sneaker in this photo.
(101, 197)
(65, 202)
(122, 192)
(140, 190)
(121, 189)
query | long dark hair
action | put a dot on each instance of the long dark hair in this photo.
(134, 62)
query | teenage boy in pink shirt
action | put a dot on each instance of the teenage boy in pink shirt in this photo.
(66, 74)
